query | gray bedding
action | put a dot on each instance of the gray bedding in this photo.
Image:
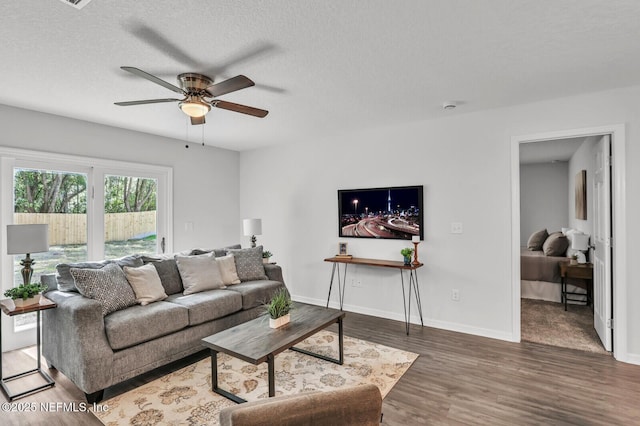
(535, 266)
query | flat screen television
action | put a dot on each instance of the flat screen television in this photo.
(384, 213)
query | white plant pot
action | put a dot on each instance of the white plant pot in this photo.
(265, 260)
(279, 322)
(21, 303)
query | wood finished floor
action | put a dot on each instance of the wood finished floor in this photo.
(457, 380)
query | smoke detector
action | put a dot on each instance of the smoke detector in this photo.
(78, 4)
(449, 105)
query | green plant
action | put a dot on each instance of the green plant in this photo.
(406, 252)
(266, 254)
(280, 304)
(25, 291)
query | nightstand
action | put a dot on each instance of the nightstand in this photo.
(9, 308)
(581, 271)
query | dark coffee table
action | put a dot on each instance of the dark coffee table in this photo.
(255, 342)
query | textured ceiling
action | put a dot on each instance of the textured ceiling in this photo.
(321, 67)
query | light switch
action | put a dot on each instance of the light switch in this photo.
(456, 227)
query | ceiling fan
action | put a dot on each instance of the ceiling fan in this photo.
(200, 94)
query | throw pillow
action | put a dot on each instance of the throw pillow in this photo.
(168, 271)
(108, 285)
(199, 273)
(537, 239)
(219, 252)
(249, 263)
(555, 245)
(228, 271)
(146, 283)
(66, 282)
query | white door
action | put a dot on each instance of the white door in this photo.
(601, 255)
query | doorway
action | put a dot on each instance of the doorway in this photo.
(617, 135)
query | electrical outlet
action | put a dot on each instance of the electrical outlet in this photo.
(455, 295)
(456, 227)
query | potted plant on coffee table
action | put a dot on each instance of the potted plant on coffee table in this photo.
(279, 309)
(25, 294)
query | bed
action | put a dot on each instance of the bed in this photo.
(540, 276)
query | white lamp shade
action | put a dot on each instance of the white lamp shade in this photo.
(252, 226)
(580, 242)
(22, 239)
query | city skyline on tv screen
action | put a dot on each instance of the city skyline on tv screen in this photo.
(386, 213)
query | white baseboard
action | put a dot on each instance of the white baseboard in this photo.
(629, 358)
(415, 319)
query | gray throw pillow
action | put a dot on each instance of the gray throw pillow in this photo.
(219, 252)
(199, 273)
(65, 280)
(108, 285)
(537, 239)
(168, 272)
(555, 245)
(249, 263)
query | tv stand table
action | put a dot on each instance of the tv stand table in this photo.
(380, 263)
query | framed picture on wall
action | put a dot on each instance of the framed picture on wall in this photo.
(342, 249)
(581, 195)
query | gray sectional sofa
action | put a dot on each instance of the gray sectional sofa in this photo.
(96, 351)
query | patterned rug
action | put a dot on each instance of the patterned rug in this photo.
(184, 397)
(548, 323)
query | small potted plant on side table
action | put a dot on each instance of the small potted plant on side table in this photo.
(25, 294)
(406, 253)
(279, 309)
(266, 255)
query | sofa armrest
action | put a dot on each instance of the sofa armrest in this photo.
(75, 342)
(357, 405)
(273, 272)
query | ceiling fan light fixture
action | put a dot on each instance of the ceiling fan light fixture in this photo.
(194, 107)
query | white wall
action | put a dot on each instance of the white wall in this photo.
(205, 179)
(582, 160)
(464, 163)
(544, 190)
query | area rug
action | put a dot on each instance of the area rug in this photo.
(548, 323)
(184, 397)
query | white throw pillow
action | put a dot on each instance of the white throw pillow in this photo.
(146, 284)
(199, 273)
(228, 271)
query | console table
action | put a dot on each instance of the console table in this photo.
(9, 308)
(379, 263)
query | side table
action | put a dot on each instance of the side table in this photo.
(583, 271)
(9, 308)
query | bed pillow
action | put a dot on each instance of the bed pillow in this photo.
(555, 245)
(199, 273)
(146, 283)
(228, 270)
(108, 285)
(537, 239)
(249, 263)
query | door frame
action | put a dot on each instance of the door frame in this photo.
(619, 279)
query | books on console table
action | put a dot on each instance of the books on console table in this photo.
(344, 256)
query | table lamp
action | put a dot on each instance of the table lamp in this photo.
(415, 240)
(252, 227)
(580, 242)
(27, 239)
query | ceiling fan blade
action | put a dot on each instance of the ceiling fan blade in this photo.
(240, 108)
(148, 101)
(231, 85)
(153, 79)
(163, 44)
(197, 120)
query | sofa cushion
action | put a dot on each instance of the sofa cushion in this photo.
(145, 282)
(249, 263)
(168, 271)
(108, 285)
(208, 305)
(228, 271)
(199, 273)
(66, 282)
(139, 324)
(218, 252)
(256, 293)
